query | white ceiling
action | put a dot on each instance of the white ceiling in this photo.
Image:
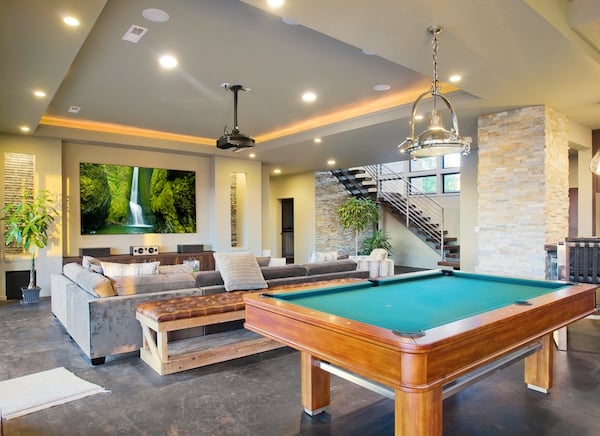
(511, 53)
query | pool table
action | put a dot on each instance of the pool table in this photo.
(415, 336)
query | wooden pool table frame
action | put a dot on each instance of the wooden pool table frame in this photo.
(417, 368)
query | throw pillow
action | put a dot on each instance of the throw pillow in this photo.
(240, 271)
(112, 269)
(92, 264)
(322, 256)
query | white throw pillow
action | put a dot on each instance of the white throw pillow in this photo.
(92, 264)
(240, 271)
(326, 256)
(112, 269)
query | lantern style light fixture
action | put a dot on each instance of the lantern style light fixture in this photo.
(436, 140)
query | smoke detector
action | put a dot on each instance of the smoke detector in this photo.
(235, 140)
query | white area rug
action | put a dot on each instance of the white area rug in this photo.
(23, 395)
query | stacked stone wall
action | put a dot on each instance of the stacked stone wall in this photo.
(329, 233)
(522, 185)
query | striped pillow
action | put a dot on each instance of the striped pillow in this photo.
(240, 271)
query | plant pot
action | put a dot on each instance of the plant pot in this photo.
(30, 295)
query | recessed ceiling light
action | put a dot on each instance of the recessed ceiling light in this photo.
(39, 93)
(155, 15)
(252, 155)
(71, 21)
(309, 97)
(24, 129)
(330, 162)
(317, 140)
(455, 78)
(168, 61)
(275, 3)
(382, 87)
(277, 171)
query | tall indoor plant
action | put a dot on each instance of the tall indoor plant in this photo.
(358, 214)
(379, 239)
(27, 223)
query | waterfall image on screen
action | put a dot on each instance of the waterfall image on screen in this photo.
(117, 199)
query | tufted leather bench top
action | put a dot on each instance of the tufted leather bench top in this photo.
(191, 307)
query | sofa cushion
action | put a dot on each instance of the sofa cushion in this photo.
(94, 284)
(263, 260)
(330, 267)
(71, 270)
(179, 268)
(278, 272)
(92, 264)
(112, 269)
(208, 278)
(146, 283)
(240, 271)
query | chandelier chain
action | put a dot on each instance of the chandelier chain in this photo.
(435, 87)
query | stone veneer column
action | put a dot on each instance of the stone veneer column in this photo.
(329, 233)
(523, 187)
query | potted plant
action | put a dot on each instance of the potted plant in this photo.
(379, 239)
(358, 214)
(27, 224)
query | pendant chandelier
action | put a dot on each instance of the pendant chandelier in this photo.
(436, 140)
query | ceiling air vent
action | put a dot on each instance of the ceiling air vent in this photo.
(134, 33)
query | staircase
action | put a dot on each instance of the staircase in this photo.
(421, 214)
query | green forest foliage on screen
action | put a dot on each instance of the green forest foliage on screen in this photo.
(167, 199)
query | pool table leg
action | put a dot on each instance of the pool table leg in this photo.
(419, 413)
(316, 388)
(538, 366)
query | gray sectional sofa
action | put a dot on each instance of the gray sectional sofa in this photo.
(99, 312)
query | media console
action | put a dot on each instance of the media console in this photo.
(205, 259)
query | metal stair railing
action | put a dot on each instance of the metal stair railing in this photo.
(420, 210)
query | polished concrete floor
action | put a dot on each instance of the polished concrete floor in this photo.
(260, 395)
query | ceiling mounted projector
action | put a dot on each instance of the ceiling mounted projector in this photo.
(234, 140)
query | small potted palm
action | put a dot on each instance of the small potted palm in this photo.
(27, 224)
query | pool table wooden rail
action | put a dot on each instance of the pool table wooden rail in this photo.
(417, 364)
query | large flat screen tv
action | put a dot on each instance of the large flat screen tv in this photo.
(118, 199)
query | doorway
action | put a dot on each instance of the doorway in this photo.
(287, 229)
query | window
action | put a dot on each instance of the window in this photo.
(451, 160)
(423, 185)
(423, 164)
(451, 183)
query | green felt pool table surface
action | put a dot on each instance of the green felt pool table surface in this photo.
(414, 303)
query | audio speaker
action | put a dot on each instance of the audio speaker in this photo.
(143, 250)
(95, 252)
(190, 248)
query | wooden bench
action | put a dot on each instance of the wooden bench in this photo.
(158, 318)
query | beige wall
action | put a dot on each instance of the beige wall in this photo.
(300, 187)
(48, 176)
(219, 206)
